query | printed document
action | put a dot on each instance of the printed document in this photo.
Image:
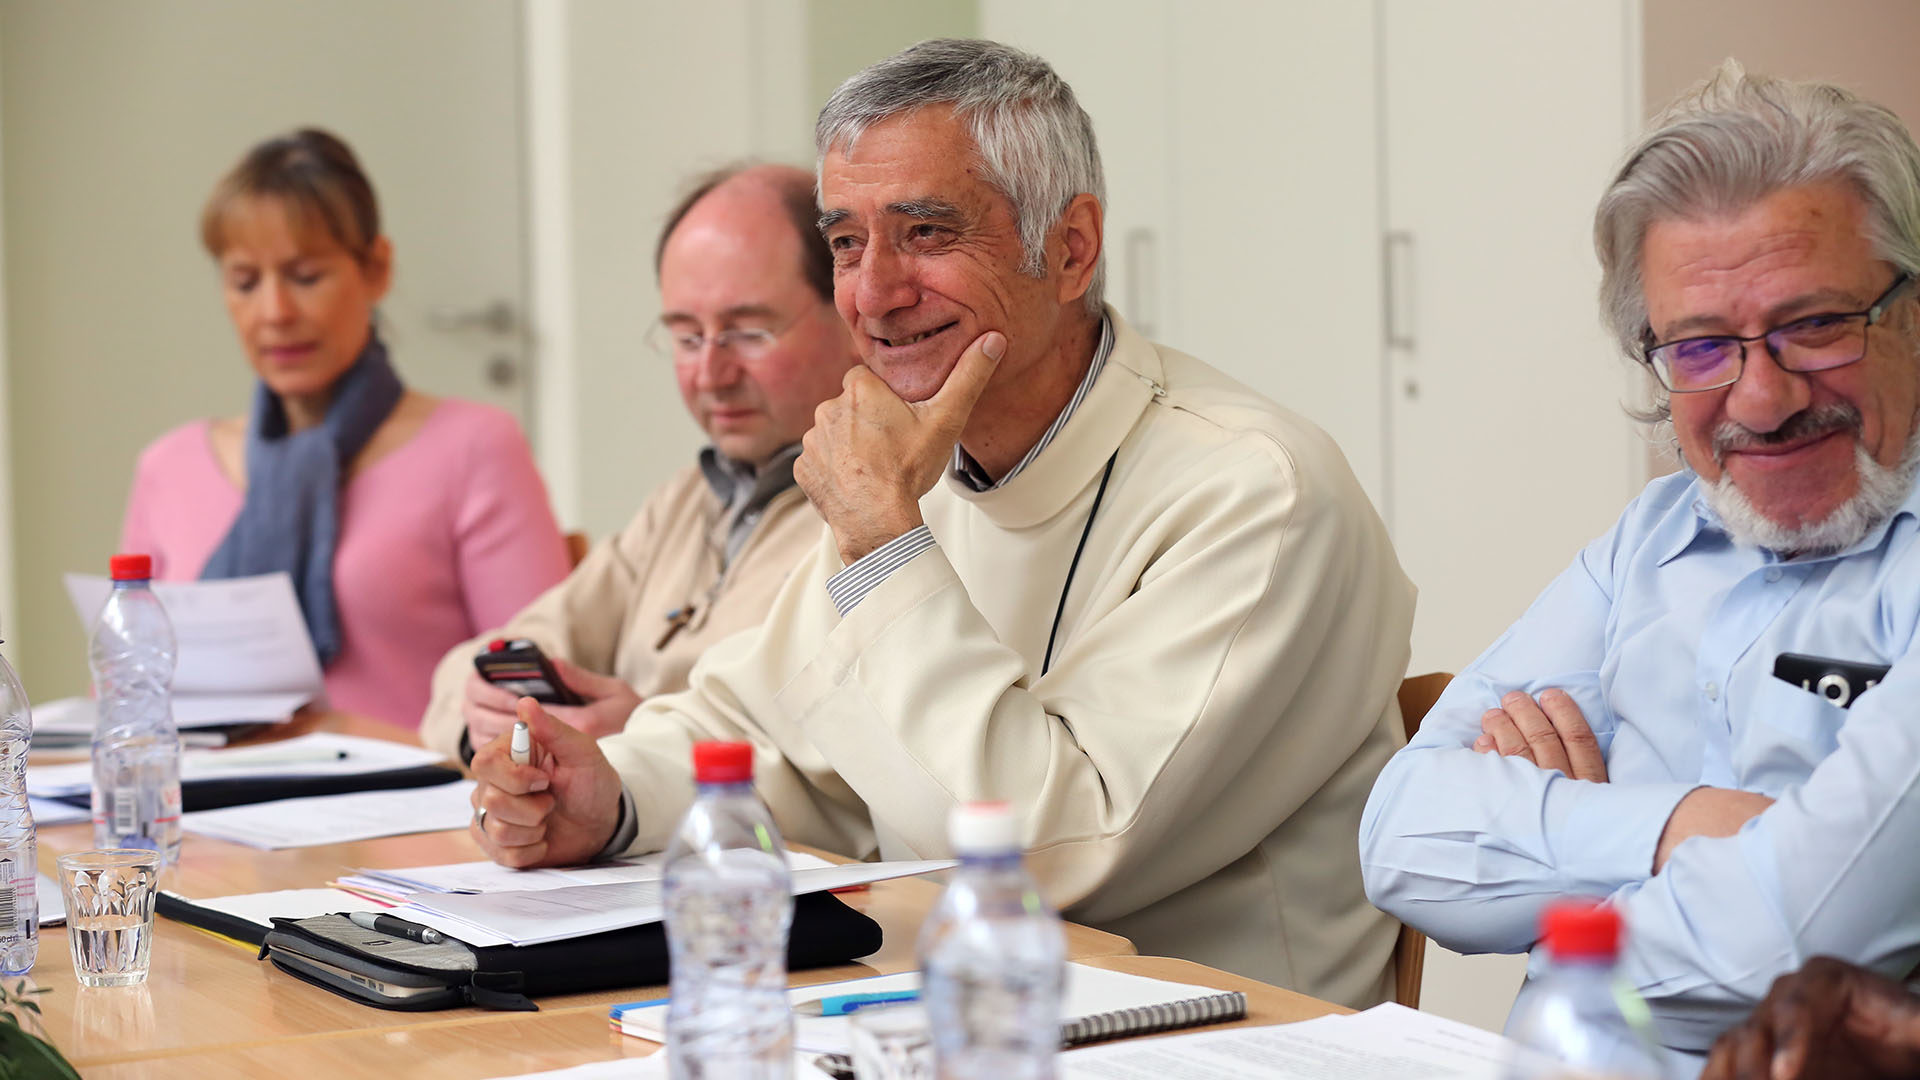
(539, 916)
(337, 819)
(240, 639)
(486, 877)
(321, 753)
(1385, 1041)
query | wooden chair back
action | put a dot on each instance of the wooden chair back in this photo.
(1417, 695)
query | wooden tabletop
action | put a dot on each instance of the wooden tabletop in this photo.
(210, 1009)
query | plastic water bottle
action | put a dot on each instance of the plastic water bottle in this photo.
(1579, 1019)
(19, 860)
(994, 958)
(729, 906)
(136, 749)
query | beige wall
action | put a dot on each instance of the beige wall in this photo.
(1865, 45)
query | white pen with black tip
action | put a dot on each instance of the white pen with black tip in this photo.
(521, 748)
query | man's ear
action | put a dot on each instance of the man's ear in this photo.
(1075, 245)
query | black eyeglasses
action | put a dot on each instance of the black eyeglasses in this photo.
(1814, 343)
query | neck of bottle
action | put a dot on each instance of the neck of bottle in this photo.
(132, 583)
(991, 860)
(723, 787)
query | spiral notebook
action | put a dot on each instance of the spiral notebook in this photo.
(1117, 1024)
(1107, 1004)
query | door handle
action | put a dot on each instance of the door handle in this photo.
(497, 318)
(1396, 289)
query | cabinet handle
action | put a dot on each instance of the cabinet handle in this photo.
(1396, 290)
(1143, 293)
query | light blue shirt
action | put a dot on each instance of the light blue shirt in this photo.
(1665, 631)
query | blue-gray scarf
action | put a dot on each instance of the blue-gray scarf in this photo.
(291, 517)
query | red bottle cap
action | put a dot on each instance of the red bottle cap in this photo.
(722, 762)
(131, 567)
(1581, 929)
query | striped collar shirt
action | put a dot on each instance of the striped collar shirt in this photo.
(851, 585)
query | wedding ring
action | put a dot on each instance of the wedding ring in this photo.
(480, 818)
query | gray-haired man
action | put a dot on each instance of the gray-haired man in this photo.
(1710, 717)
(1065, 568)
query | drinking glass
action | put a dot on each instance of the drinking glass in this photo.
(110, 897)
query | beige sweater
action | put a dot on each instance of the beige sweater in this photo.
(1192, 769)
(610, 614)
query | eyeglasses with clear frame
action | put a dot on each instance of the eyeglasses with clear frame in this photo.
(746, 342)
(1811, 343)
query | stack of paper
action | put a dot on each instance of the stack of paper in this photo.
(396, 886)
(337, 819)
(244, 654)
(53, 906)
(319, 754)
(1386, 1040)
(1090, 990)
(533, 917)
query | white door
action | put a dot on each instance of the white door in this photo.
(1509, 446)
(1242, 184)
(118, 118)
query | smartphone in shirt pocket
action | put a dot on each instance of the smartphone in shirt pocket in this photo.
(1838, 682)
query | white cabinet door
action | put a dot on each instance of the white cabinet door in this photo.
(1121, 77)
(1508, 444)
(1243, 194)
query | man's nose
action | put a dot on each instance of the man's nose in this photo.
(882, 284)
(1766, 394)
(715, 366)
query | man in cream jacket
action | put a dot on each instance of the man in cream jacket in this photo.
(1064, 567)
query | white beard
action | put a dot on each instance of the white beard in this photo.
(1881, 492)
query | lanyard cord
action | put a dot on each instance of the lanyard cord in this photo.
(1047, 662)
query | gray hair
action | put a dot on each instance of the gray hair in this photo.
(1035, 141)
(1729, 142)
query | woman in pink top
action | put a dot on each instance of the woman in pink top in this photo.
(408, 523)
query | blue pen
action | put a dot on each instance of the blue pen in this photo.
(842, 1004)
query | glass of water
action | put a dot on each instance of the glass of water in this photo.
(110, 897)
(891, 1042)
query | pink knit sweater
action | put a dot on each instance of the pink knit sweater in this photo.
(443, 537)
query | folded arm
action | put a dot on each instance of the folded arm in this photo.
(1469, 846)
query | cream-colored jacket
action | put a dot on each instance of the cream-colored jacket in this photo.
(1191, 770)
(612, 614)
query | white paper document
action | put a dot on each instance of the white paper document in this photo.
(48, 812)
(322, 753)
(72, 720)
(486, 877)
(649, 1067)
(1385, 1041)
(285, 903)
(555, 914)
(1090, 990)
(53, 906)
(337, 819)
(243, 644)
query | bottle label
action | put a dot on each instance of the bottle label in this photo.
(9, 897)
(126, 810)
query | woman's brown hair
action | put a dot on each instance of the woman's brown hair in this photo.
(314, 175)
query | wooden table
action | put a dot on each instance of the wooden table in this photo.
(210, 1010)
